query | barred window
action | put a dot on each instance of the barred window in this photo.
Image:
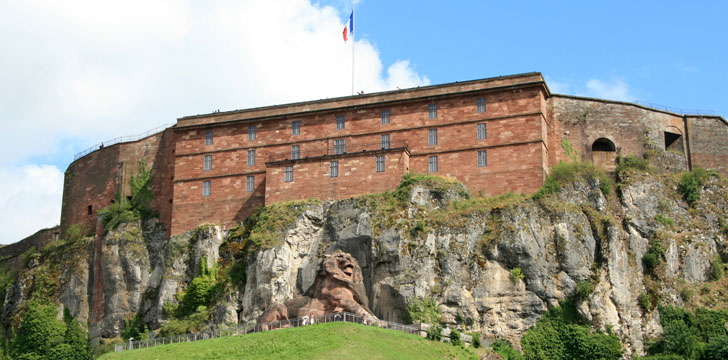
(206, 188)
(432, 137)
(385, 142)
(208, 138)
(334, 168)
(250, 183)
(295, 152)
(482, 131)
(207, 163)
(432, 111)
(340, 122)
(432, 164)
(482, 158)
(339, 146)
(480, 107)
(288, 174)
(380, 163)
(296, 127)
(251, 157)
(385, 117)
(251, 132)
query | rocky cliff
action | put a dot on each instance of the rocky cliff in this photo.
(428, 238)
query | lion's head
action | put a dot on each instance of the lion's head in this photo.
(344, 268)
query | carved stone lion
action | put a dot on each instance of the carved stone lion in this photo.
(338, 287)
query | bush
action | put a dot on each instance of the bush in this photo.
(475, 342)
(138, 207)
(644, 301)
(135, 328)
(632, 162)
(506, 350)
(701, 335)
(424, 310)
(583, 289)
(516, 274)
(664, 220)
(41, 336)
(568, 172)
(455, 337)
(716, 267)
(691, 182)
(654, 255)
(435, 332)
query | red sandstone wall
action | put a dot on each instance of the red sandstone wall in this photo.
(708, 142)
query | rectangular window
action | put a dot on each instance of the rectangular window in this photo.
(334, 168)
(432, 164)
(288, 174)
(208, 138)
(480, 105)
(385, 142)
(295, 152)
(339, 146)
(432, 111)
(251, 132)
(250, 183)
(251, 157)
(482, 158)
(207, 163)
(380, 163)
(432, 137)
(296, 127)
(206, 188)
(385, 117)
(90, 209)
(340, 122)
(482, 131)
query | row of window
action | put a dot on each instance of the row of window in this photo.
(340, 146)
(341, 122)
(334, 171)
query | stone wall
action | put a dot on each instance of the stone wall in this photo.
(708, 142)
(10, 254)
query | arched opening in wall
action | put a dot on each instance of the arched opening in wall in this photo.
(604, 153)
(673, 140)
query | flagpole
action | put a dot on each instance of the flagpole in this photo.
(353, 42)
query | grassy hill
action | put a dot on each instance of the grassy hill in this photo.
(323, 341)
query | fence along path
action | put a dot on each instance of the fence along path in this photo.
(240, 330)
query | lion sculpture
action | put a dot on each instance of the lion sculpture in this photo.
(338, 287)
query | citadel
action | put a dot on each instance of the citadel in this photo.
(495, 135)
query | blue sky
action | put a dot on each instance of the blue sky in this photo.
(79, 72)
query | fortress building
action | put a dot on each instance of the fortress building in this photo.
(495, 135)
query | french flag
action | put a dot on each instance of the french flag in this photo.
(349, 28)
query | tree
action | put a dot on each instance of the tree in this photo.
(39, 332)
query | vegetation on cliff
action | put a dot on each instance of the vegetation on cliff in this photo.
(138, 207)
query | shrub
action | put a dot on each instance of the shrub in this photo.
(632, 162)
(699, 335)
(516, 275)
(583, 289)
(135, 328)
(138, 207)
(475, 342)
(198, 294)
(691, 182)
(716, 267)
(435, 332)
(567, 172)
(644, 301)
(506, 350)
(654, 255)
(664, 220)
(424, 310)
(455, 337)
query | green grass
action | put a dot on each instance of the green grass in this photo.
(323, 341)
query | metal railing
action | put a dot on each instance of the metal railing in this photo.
(337, 150)
(675, 109)
(241, 330)
(121, 139)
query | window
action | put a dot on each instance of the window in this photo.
(90, 209)
(340, 122)
(480, 105)
(432, 164)
(432, 111)
(251, 132)
(296, 127)
(380, 163)
(208, 138)
(482, 158)
(251, 157)
(207, 163)
(250, 183)
(482, 131)
(385, 142)
(432, 137)
(334, 168)
(339, 146)
(385, 117)
(295, 152)
(288, 174)
(206, 188)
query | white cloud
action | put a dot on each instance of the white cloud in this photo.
(612, 90)
(30, 200)
(74, 73)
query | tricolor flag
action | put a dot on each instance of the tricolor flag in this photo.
(349, 28)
